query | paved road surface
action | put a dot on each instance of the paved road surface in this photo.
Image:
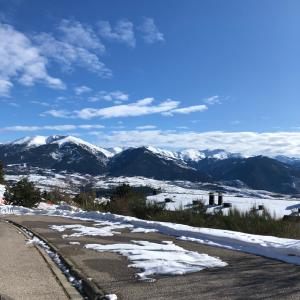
(246, 276)
(24, 274)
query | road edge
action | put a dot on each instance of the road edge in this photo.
(90, 289)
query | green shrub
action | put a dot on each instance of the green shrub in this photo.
(56, 196)
(86, 201)
(23, 193)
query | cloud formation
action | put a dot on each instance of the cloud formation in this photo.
(82, 89)
(69, 55)
(116, 96)
(21, 128)
(212, 100)
(150, 32)
(247, 143)
(122, 32)
(141, 107)
(22, 61)
(186, 110)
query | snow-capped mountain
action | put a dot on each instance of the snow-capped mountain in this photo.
(56, 152)
(71, 154)
(28, 141)
(154, 163)
(197, 155)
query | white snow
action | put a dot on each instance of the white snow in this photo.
(30, 141)
(2, 190)
(111, 297)
(160, 259)
(164, 153)
(80, 142)
(277, 207)
(287, 250)
(80, 230)
(74, 243)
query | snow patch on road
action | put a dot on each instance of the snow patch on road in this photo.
(287, 250)
(81, 230)
(160, 259)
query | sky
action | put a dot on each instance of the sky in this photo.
(173, 74)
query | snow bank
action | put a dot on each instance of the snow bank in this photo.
(2, 190)
(287, 250)
(160, 259)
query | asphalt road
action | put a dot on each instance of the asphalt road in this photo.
(246, 276)
(24, 274)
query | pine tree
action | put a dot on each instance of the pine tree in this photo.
(23, 193)
(1, 173)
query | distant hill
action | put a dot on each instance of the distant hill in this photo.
(71, 154)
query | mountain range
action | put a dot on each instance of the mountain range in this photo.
(67, 153)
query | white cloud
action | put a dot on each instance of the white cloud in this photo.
(22, 61)
(142, 107)
(212, 100)
(122, 32)
(79, 35)
(248, 143)
(139, 108)
(186, 110)
(146, 127)
(5, 87)
(61, 113)
(82, 89)
(42, 103)
(51, 127)
(68, 55)
(151, 33)
(116, 96)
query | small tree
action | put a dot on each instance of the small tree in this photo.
(86, 200)
(23, 193)
(56, 196)
(1, 173)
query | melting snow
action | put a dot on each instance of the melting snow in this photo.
(287, 250)
(160, 259)
(80, 230)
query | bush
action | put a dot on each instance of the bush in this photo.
(127, 202)
(86, 201)
(23, 193)
(56, 196)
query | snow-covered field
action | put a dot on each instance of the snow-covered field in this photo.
(182, 193)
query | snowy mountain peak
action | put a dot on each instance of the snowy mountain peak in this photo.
(197, 155)
(53, 138)
(161, 152)
(62, 140)
(30, 141)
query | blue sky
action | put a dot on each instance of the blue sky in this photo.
(177, 74)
